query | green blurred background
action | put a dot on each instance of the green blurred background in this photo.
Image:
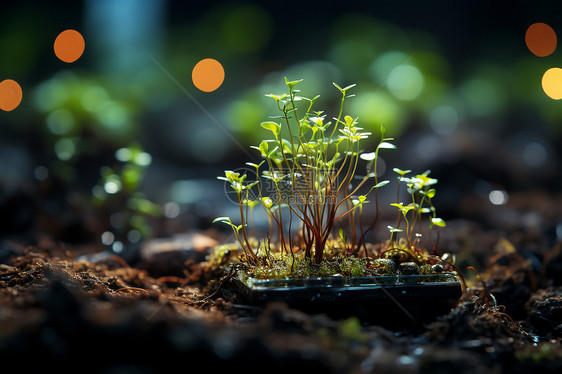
(123, 133)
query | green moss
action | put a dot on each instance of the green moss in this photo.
(426, 269)
(275, 265)
(387, 266)
(351, 329)
(282, 266)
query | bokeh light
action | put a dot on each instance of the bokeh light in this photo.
(482, 97)
(60, 122)
(41, 173)
(171, 209)
(498, 197)
(10, 95)
(535, 154)
(376, 107)
(65, 149)
(405, 82)
(134, 236)
(552, 83)
(208, 75)
(382, 67)
(444, 119)
(540, 39)
(107, 238)
(69, 46)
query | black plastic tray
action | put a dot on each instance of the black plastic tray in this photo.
(401, 299)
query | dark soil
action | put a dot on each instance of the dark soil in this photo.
(161, 307)
(103, 315)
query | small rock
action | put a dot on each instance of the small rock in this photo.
(409, 268)
(388, 266)
(437, 268)
(167, 256)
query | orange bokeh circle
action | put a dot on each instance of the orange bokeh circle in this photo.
(540, 39)
(10, 95)
(69, 46)
(208, 75)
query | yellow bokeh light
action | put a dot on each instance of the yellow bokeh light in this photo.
(552, 83)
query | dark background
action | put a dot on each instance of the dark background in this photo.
(500, 132)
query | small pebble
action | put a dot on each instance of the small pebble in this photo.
(437, 268)
(409, 268)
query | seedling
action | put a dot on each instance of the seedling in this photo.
(307, 183)
(421, 192)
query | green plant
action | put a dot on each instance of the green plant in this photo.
(421, 194)
(309, 174)
(118, 192)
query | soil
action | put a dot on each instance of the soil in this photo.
(161, 306)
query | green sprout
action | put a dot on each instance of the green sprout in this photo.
(308, 181)
(309, 165)
(421, 192)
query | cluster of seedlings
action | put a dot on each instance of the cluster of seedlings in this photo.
(308, 183)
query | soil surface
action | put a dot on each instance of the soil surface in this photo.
(110, 316)
(81, 309)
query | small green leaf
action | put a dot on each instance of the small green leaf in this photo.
(267, 202)
(438, 222)
(382, 183)
(342, 235)
(277, 97)
(408, 207)
(275, 128)
(287, 146)
(248, 186)
(386, 145)
(392, 229)
(401, 172)
(292, 84)
(250, 203)
(223, 220)
(349, 121)
(231, 175)
(342, 90)
(257, 166)
(264, 147)
(368, 156)
(430, 193)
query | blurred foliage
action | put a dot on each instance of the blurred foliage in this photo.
(118, 192)
(404, 78)
(82, 116)
(412, 73)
